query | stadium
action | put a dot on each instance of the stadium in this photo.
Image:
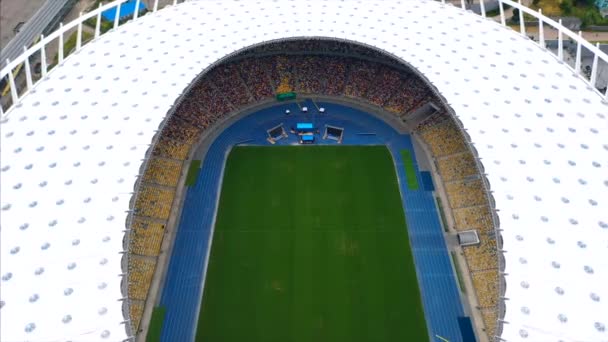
(286, 170)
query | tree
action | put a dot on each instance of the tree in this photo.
(566, 6)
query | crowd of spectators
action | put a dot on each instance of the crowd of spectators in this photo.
(163, 172)
(226, 77)
(154, 202)
(458, 166)
(314, 47)
(169, 148)
(443, 138)
(462, 194)
(310, 80)
(361, 74)
(146, 237)
(478, 217)
(255, 72)
(136, 311)
(245, 81)
(490, 317)
(140, 273)
(483, 256)
(486, 285)
(179, 130)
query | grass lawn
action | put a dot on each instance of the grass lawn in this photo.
(410, 171)
(310, 244)
(156, 324)
(193, 171)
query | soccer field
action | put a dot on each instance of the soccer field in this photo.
(310, 244)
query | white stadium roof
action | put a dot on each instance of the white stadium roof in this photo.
(72, 148)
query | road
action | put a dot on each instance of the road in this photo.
(12, 12)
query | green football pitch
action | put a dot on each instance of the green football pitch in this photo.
(310, 244)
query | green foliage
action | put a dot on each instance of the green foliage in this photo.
(69, 45)
(193, 171)
(410, 171)
(566, 6)
(444, 221)
(496, 12)
(459, 274)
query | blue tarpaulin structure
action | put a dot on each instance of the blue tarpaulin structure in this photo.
(126, 9)
(466, 329)
(427, 181)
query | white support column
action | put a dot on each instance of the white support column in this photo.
(593, 79)
(577, 64)
(503, 21)
(155, 6)
(560, 42)
(79, 33)
(11, 83)
(60, 52)
(98, 23)
(463, 5)
(28, 70)
(43, 66)
(443, 2)
(522, 25)
(174, 2)
(482, 7)
(136, 13)
(117, 16)
(541, 29)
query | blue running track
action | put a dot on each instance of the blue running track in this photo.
(181, 294)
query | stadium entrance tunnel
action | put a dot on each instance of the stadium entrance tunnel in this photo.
(312, 73)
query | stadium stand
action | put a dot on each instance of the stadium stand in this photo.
(483, 256)
(489, 317)
(310, 81)
(256, 75)
(465, 193)
(456, 167)
(486, 284)
(136, 310)
(146, 237)
(361, 77)
(141, 271)
(318, 67)
(335, 76)
(154, 202)
(479, 218)
(283, 74)
(171, 149)
(163, 171)
(180, 130)
(443, 139)
(228, 81)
